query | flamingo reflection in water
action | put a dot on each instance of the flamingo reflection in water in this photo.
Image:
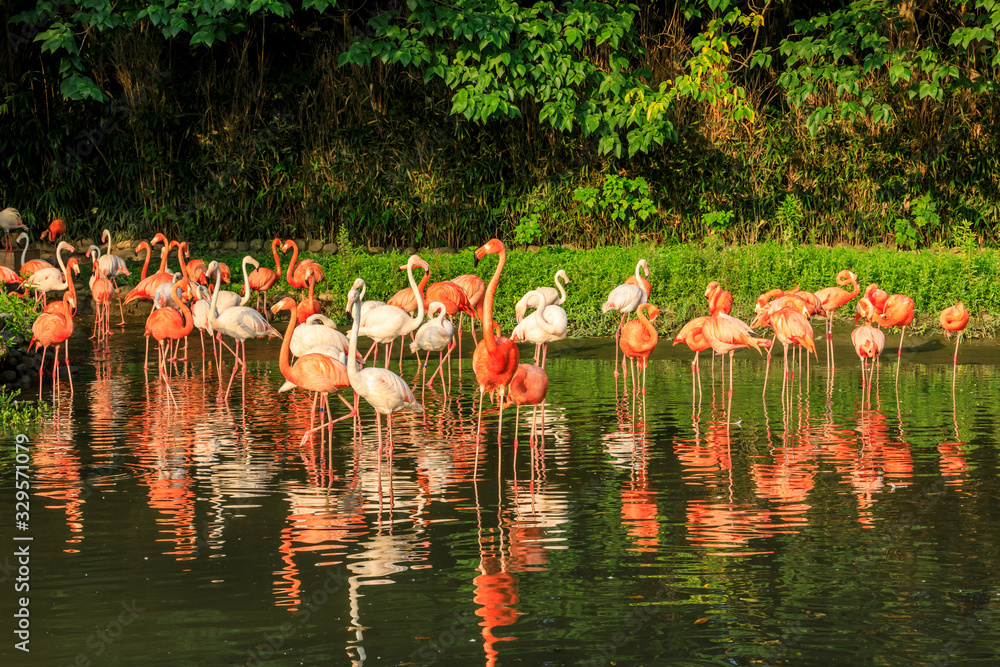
(629, 448)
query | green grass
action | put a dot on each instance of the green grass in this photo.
(16, 413)
(18, 315)
(679, 274)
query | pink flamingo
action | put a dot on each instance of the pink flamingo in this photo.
(10, 220)
(50, 329)
(529, 386)
(170, 324)
(262, 279)
(296, 273)
(313, 372)
(626, 299)
(693, 336)
(553, 296)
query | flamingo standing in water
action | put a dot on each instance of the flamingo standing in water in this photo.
(638, 340)
(954, 318)
(317, 373)
(626, 299)
(386, 323)
(100, 291)
(239, 322)
(553, 296)
(51, 329)
(475, 289)
(529, 386)
(149, 284)
(547, 324)
(897, 312)
(693, 336)
(727, 334)
(790, 325)
(309, 306)
(385, 391)
(434, 335)
(262, 279)
(832, 298)
(318, 330)
(111, 266)
(868, 343)
(496, 358)
(170, 324)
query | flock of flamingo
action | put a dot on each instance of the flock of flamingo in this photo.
(328, 361)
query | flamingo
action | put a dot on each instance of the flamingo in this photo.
(238, 322)
(868, 343)
(877, 296)
(386, 323)
(296, 274)
(496, 358)
(147, 286)
(727, 334)
(791, 327)
(50, 279)
(318, 330)
(548, 323)
(385, 391)
(143, 245)
(366, 306)
(640, 281)
(638, 340)
(55, 229)
(475, 289)
(200, 310)
(7, 276)
(954, 318)
(719, 300)
(897, 312)
(529, 386)
(29, 267)
(308, 306)
(111, 266)
(170, 324)
(405, 299)
(100, 291)
(693, 336)
(833, 298)
(52, 328)
(625, 299)
(434, 335)
(313, 372)
(10, 220)
(229, 299)
(262, 279)
(553, 296)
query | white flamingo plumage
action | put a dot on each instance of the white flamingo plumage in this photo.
(10, 220)
(434, 335)
(318, 330)
(111, 266)
(366, 306)
(51, 279)
(553, 296)
(228, 299)
(547, 324)
(625, 299)
(387, 323)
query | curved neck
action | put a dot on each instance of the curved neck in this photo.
(291, 265)
(246, 282)
(312, 283)
(62, 264)
(856, 290)
(164, 255)
(286, 344)
(181, 249)
(108, 234)
(639, 282)
(646, 324)
(24, 253)
(145, 266)
(416, 293)
(423, 283)
(70, 287)
(185, 311)
(277, 257)
(562, 291)
(212, 315)
(352, 351)
(491, 289)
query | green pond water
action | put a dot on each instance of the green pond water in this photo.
(810, 529)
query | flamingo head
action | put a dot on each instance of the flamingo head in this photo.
(652, 312)
(143, 246)
(105, 236)
(289, 244)
(437, 306)
(73, 265)
(183, 245)
(645, 267)
(93, 252)
(22, 237)
(212, 268)
(866, 310)
(227, 274)
(354, 296)
(712, 286)
(562, 273)
(56, 228)
(288, 303)
(160, 238)
(275, 243)
(493, 247)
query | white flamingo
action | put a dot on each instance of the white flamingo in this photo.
(200, 310)
(229, 299)
(111, 266)
(435, 335)
(239, 322)
(387, 323)
(50, 279)
(385, 391)
(548, 323)
(625, 299)
(10, 219)
(366, 306)
(553, 296)
(321, 330)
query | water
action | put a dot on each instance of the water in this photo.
(816, 530)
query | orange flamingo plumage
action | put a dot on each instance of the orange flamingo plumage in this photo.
(833, 298)
(638, 340)
(529, 386)
(868, 344)
(475, 289)
(496, 358)
(55, 229)
(313, 372)
(954, 318)
(296, 272)
(262, 278)
(693, 336)
(719, 300)
(52, 329)
(169, 324)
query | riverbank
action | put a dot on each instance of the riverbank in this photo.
(934, 278)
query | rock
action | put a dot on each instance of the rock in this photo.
(214, 245)
(315, 245)
(125, 253)
(256, 245)
(242, 246)
(533, 248)
(301, 243)
(125, 244)
(376, 250)
(8, 376)
(446, 250)
(330, 249)
(568, 246)
(409, 251)
(84, 244)
(229, 245)
(4, 351)
(22, 368)
(46, 255)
